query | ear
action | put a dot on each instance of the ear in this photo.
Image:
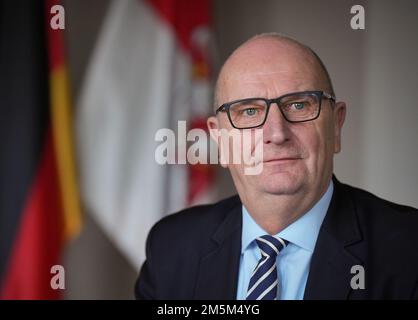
(339, 117)
(213, 125)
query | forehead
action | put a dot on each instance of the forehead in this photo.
(268, 68)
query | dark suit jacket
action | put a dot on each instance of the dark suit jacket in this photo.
(195, 253)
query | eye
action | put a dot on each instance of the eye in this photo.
(298, 105)
(250, 111)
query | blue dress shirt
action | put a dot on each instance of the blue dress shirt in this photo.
(293, 261)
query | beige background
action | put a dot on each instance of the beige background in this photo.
(374, 70)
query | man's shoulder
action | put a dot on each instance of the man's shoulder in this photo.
(382, 217)
(370, 202)
(196, 220)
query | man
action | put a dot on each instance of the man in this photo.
(294, 231)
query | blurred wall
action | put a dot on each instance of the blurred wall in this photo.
(373, 70)
(391, 109)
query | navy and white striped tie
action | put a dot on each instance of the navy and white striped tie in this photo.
(264, 281)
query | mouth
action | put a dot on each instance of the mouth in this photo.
(281, 160)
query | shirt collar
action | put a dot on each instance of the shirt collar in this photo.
(303, 232)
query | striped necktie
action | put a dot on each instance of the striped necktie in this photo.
(264, 282)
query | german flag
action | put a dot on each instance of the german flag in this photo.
(39, 205)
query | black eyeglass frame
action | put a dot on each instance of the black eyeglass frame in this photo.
(319, 94)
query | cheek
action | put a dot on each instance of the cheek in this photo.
(225, 145)
(241, 147)
(313, 139)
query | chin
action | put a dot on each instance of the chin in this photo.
(282, 183)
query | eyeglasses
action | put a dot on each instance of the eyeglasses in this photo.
(295, 107)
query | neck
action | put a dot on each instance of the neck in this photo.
(274, 212)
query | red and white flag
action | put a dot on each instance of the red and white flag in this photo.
(149, 70)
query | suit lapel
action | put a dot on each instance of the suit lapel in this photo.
(218, 269)
(330, 270)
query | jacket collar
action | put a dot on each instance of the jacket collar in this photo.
(218, 269)
(330, 270)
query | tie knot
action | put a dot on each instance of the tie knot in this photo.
(270, 246)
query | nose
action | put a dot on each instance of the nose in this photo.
(276, 128)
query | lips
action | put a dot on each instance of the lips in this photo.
(281, 159)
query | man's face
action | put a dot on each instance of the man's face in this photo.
(297, 157)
